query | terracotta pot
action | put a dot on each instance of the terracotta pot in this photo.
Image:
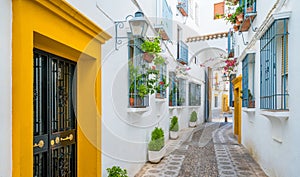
(238, 23)
(235, 27)
(131, 101)
(148, 57)
(158, 95)
(240, 17)
(251, 104)
(249, 9)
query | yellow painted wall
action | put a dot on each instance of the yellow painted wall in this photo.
(54, 26)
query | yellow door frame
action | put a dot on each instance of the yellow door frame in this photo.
(56, 27)
(237, 87)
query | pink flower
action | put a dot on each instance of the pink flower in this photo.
(153, 67)
(161, 83)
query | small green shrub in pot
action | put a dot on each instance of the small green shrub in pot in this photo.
(193, 117)
(174, 124)
(157, 140)
(116, 171)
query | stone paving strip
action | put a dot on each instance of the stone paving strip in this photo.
(209, 150)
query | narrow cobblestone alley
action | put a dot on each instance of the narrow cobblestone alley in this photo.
(209, 150)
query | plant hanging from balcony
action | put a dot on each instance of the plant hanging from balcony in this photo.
(230, 65)
(234, 14)
(151, 48)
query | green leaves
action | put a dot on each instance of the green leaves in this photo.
(151, 46)
(157, 140)
(174, 124)
(116, 171)
(193, 117)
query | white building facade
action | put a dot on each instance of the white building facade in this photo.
(267, 56)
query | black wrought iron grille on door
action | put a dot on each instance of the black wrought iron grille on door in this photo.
(54, 121)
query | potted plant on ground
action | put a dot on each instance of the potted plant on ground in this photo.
(150, 49)
(174, 127)
(156, 149)
(193, 119)
(116, 171)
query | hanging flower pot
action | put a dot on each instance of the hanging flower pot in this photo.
(240, 17)
(235, 27)
(148, 57)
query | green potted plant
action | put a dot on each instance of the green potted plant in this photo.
(193, 119)
(156, 149)
(174, 128)
(116, 171)
(150, 49)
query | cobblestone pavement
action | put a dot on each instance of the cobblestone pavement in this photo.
(209, 150)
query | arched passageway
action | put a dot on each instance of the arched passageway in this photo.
(211, 59)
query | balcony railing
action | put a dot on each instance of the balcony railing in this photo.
(183, 7)
(183, 53)
(164, 20)
(249, 14)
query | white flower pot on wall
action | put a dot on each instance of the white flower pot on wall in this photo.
(192, 124)
(156, 156)
(173, 134)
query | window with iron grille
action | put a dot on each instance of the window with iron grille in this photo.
(248, 81)
(181, 92)
(138, 76)
(274, 67)
(194, 94)
(173, 89)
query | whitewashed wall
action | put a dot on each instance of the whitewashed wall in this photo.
(5, 89)
(276, 158)
(125, 135)
(208, 24)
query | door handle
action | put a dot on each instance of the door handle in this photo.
(40, 144)
(70, 137)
